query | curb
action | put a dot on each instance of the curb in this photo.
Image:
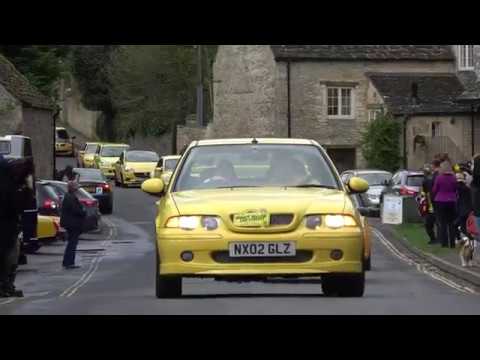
(403, 246)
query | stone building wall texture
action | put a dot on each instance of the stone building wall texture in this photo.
(10, 113)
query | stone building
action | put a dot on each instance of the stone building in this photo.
(24, 110)
(329, 93)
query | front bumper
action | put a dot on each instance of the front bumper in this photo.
(205, 264)
(108, 172)
(131, 179)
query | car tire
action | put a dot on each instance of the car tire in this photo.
(167, 287)
(107, 210)
(349, 285)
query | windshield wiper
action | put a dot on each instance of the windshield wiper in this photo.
(305, 186)
(237, 187)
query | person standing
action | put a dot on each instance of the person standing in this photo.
(72, 218)
(10, 213)
(464, 205)
(444, 193)
(475, 190)
(428, 213)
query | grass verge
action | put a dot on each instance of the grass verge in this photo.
(416, 236)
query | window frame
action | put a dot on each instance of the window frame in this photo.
(468, 58)
(340, 102)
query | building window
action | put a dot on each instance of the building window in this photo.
(340, 102)
(374, 114)
(435, 129)
(465, 57)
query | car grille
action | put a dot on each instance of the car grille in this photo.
(223, 257)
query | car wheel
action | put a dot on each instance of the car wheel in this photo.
(167, 287)
(351, 285)
(107, 210)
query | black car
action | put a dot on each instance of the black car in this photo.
(95, 183)
(50, 196)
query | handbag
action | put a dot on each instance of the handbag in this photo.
(472, 225)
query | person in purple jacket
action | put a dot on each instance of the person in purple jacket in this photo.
(444, 193)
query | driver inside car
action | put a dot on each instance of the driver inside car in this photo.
(288, 172)
(224, 173)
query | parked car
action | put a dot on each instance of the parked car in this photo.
(64, 143)
(86, 155)
(48, 230)
(165, 168)
(404, 183)
(377, 180)
(95, 183)
(106, 157)
(134, 167)
(50, 196)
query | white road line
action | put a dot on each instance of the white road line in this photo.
(421, 267)
(8, 301)
(70, 291)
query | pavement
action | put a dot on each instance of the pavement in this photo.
(117, 278)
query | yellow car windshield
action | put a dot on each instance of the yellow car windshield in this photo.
(170, 165)
(141, 157)
(253, 165)
(112, 151)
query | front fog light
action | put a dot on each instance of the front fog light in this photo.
(313, 222)
(339, 221)
(209, 223)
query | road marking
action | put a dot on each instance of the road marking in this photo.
(8, 301)
(421, 267)
(70, 291)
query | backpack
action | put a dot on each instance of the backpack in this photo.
(472, 225)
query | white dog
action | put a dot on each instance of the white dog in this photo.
(467, 249)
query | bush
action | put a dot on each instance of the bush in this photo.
(381, 143)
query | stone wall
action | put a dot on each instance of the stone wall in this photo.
(74, 113)
(10, 113)
(162, 145)
(245, 93)
(38, 125)
(187, 134)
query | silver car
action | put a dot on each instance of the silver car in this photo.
(377, 179)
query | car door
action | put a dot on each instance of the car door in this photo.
(96, 159)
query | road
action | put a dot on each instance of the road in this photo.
(117, 277)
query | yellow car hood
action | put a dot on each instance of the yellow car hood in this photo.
(109, 161)
(226, 202)
(141, 167)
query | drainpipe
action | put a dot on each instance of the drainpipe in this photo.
(473, 130)
(289, 114)
(405, 158)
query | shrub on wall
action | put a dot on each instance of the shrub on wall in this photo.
(381, 143)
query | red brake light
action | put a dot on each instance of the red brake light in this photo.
(106, 187)
(49, 204)
(88, 202)
(407, 192)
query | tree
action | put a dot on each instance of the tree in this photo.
(153, 87)
(42, 65)
(90, 65)
(381, 143)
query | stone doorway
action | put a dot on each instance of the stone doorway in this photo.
(344, 159)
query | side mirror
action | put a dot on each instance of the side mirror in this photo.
(153, 186)
(369, 212)
(357, 185)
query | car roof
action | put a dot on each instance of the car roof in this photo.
(368, 171)
(111, 144)
(60, 128)
(10, 137)
(243, 141)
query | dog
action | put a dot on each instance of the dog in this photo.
(467, 249)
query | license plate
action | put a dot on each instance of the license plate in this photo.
(99, 191)
(262, 249)
(252, 219)
(90, 190)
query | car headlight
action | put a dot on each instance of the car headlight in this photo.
(313, 222)
(339, 221)
(193, 222)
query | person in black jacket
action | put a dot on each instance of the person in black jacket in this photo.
(72, 218)
(464, 205)
(10, 214)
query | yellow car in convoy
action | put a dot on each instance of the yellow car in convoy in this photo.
(106, 157)
(134, 167)
(48, 229)
(165, 168)
(86, 156)
(63, 142)
(249, 209)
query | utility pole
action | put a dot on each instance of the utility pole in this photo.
(200, 102)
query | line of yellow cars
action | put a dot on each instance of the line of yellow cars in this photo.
(125, 166)
(253, 209)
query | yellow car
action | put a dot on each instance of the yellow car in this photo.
(86, 156)
(165, 168)
(63, 142)
(48, 229)
(134, 167)
(258, 208)
(106, 157)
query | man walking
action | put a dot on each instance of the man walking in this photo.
(73, 215)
